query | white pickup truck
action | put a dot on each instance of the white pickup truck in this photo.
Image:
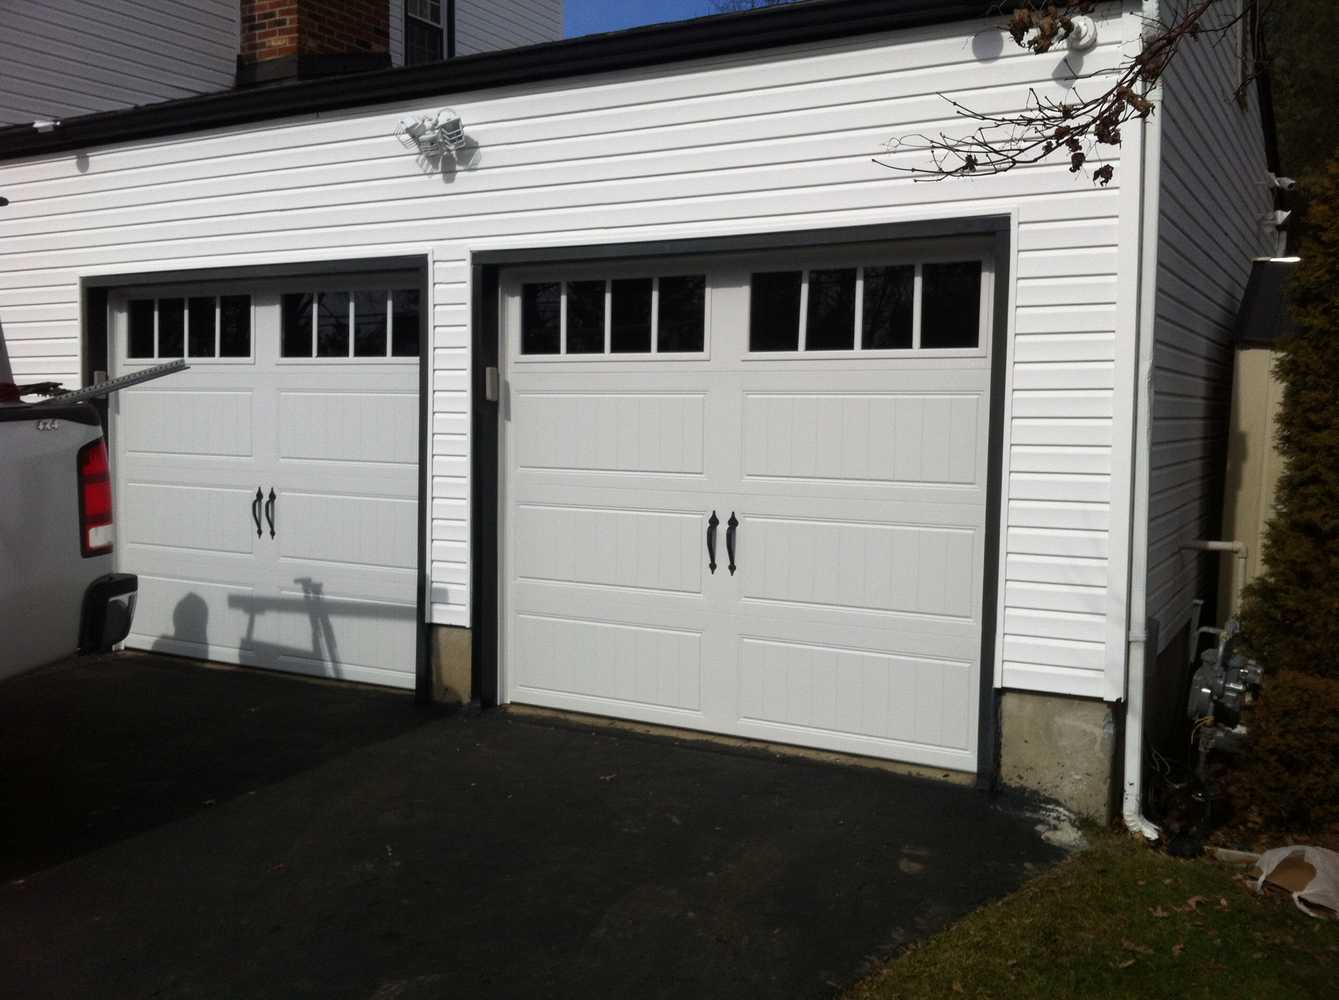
(58, 593)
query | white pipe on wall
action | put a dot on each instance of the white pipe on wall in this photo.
(1238, 549)
(1150, 179)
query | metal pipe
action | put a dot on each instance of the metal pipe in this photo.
(1238, 578)
(1193, 639)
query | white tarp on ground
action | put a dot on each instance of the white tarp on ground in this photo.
(1286, 867)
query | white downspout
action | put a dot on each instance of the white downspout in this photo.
(1150, 180)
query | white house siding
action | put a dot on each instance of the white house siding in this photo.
(60, 58)
(1212, 200)
(769, 141)
(486, 25)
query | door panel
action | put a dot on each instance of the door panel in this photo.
(851, 618)
(329, 585)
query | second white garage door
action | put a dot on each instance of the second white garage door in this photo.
(814, 424)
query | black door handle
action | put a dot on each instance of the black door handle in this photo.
(255, 510)
(712, 522)
(731, 526)
(269, 510)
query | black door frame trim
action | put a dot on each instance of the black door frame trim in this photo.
(485, 347)
(93, 295)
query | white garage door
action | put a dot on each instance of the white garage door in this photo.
(822, 417)
(268, 497)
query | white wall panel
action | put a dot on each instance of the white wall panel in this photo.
(754, 143)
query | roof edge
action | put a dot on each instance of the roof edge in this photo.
(679, 41)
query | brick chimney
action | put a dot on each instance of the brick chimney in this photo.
(301, 39)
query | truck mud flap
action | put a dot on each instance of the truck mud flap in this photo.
(109, 608)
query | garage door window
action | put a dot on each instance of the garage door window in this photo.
(620, 316)
(200, 327)
(950, 315)
(585, 317)
(367, 323)
(630, 325)
(896, 307)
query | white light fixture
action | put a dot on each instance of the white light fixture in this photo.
(433, 134)
(46, 125)
(1084, 34)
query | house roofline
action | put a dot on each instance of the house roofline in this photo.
(634, 48)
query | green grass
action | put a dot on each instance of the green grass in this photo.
(1121, 920)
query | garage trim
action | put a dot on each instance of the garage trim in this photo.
(485, 467)
(96, 351)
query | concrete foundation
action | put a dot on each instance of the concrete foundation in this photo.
(1063, 748)
(451, 664)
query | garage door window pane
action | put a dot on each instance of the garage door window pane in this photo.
(296, 338)
(630, 330)
(171, 328)
(774, 311)
(139, 340)
(541, 318)
(585, 317)
(682, 314)
(404, 323)
(332, 324)
(369, 324)
(235, 326)
(200, 328)
(951, 305)
(831, 314)
(887, 306)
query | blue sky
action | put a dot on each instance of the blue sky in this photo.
(586, 17)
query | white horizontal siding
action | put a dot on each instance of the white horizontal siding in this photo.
(757, 143)
(1212, 200)
(61, 58)
(488, 25)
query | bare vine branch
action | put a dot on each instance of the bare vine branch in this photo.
(1076, 127)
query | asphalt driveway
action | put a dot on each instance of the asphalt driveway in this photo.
(177, 831)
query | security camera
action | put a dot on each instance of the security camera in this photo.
(1280, 183)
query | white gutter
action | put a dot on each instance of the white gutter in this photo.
(1150, 178)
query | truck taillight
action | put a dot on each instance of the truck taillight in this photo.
(95, 499)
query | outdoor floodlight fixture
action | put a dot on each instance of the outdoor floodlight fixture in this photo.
(433, 134)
